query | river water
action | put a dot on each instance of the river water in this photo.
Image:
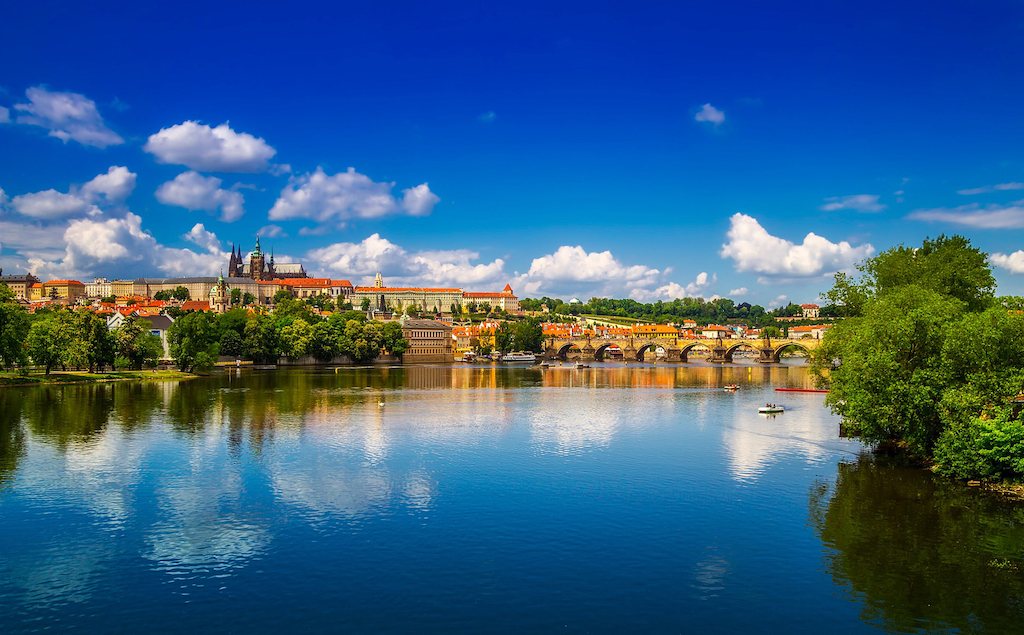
(481, 498)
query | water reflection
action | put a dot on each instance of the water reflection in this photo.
(921, 552)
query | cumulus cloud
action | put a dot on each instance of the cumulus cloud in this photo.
(194, 191)
(780, 300)
(404, 268)
(346, 195)
(740, 291)
(673, 290)
(1014, 263)
(574, 271)
(121, 244)
(1010, 216)
(867, 203)
(68, 117)
(752, 248)
(5, 115)
(109, 189)
(199, 235)
(200, 147)
(988, 189)
(710, 114)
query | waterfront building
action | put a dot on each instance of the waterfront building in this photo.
(810, 311)
(655, 331)
(63, 289)
(20, 284)
(465, 339)
(259, 268)
(429, 341)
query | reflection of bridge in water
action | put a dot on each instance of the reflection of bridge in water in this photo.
(675, 349)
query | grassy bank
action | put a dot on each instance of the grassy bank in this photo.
(55, 377)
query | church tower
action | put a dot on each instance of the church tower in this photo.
(257, 263)
(220, 298)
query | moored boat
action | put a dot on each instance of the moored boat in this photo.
(522, 356)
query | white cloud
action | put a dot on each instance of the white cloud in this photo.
(402, 268)
(68, 116)
(867, 203)
(754, 249)
(5, 115)
(199, 235)
(1014, 263)
(194, 191)
(572, 271)
(347, 195)
(780, 300)
(740, 291)
(121, 245)
(200, 147)
(272, 231)
(1010, 216)
(710, 114)
(673, 290)
(109, 189)
(988, 189)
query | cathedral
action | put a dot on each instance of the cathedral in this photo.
(258, 268)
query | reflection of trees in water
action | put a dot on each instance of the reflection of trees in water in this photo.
(12, 434)
(921, 552)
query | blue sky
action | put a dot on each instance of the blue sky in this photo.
(747, 150)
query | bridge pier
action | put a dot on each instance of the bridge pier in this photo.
(720, 355)
(629, 353)
(587, 353)
(674, 355)
(767, 356)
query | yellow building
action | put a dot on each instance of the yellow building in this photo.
(20, 285)
(655, 331)
(63, 289)
(429, 341)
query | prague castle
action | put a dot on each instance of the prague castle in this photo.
(259, 269)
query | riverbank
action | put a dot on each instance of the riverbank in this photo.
(9, 379)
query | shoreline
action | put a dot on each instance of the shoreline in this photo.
(14, 380)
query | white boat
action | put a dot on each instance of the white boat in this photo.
(579, 365)
(519, 357)
(770, 410)
(469, 357)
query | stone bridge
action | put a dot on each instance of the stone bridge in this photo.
(769, 351)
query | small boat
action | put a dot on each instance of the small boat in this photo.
(469, 357)
(731, 387)
(579, 365)
(772, 409)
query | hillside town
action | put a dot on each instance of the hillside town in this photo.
(438, 324)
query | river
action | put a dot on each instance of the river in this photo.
(481, 498)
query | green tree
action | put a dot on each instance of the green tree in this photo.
(282, 295)
(504, 337)
(344, 304)
(365, 304)
(261, 339)
(248, 298)
(162, 295)
(236, 297)
(295, 338)
(14, 328)
(323, 343)
(392, 339)
(193, 341)
(110, 299)
(180, 293)
(529, 335)
(231, 343)
(45, 344)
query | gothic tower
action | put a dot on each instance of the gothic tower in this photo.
(257, 263)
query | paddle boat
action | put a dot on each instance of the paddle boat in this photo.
(732, 387)
(770, 409)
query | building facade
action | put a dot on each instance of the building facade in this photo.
(429, 341)
(259, 268)
(63, 289)
(20, 284)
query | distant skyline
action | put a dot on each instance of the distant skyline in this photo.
(571, 150)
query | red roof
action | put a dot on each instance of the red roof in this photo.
(809, 306)
(341, 283)
(196, 305)
(63, 282)
(304, 282)
(387, 289)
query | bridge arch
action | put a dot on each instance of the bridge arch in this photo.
(651, 346)
(602, 351)
(566, 351)
(777, 352)
(732, 348)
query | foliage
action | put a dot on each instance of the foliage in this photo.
(248, 298)
(504, 337)
(932, 360)
(365, 304)
(392, 339)
(14, 327)
(529, 335)
(110, 299)
(193, 341)
(163, 295)
(45, 343)
(261, 339)
(231, 343)
(180, 293)
(236, 297)
(281, 295)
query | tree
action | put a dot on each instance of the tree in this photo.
(180, 293)
(504, 337)
(108, 299)
(45, 344)
(529, 335)
(261, 338)
(281, 295)
(162, 295)
(323, 344)
(236, 297)
(392, 339)
(231, 343)
(193, 341)
(770, 331)
(248, 298)
(948, 265)
(849, 295)
(14, 328)
(365, 304)
(344, 305)
(295, 338)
